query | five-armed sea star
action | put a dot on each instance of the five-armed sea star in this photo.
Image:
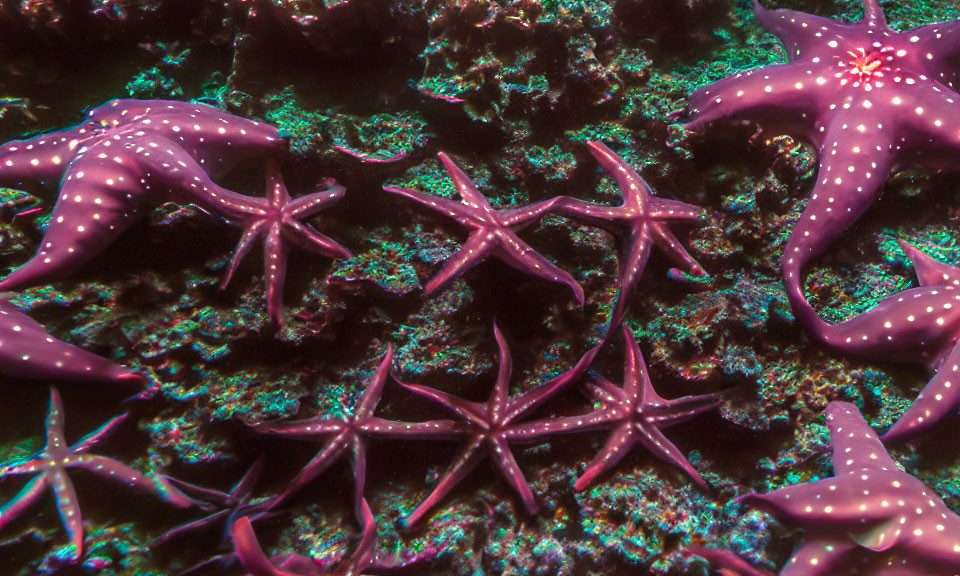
(870, 99)
(127, 155)
(494, 232)
(51, 466)
(493, 427)
(639, 223)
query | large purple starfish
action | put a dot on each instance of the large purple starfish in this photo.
(27, 351)
(871, 518)
(494, 232)
(348, 433)
(635, 413)
(870, 99)
(51, 466)
(639, 223)
(127, 155)
(493, 427)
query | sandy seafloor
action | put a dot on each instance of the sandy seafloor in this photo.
(512, 90)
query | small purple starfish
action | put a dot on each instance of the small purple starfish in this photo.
(871, 518)
(494, 233)
(349, 434)
(639, 223)
(636, 413)
(27, 351)
(870, 99)
(493, 428)
(51, 466)
(127, 155)
(365, 560)
(277, 219)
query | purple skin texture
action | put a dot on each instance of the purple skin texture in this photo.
(635, 415)
(639, 224)
(870, 99)
(277, 220)
(51, 465)
(492, 427)
(870, 518)
(365, 560)
(493, 233)
(727, 562)
(127, 156)
(348, 435)
(27, 351)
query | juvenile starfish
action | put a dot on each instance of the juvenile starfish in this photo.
(494, 233)
(127, 155)
(493, 428)
(51, 466)
(349, 434)
(870, 99)
(365, 560)
(277, 219)
(639, 223)
(871, 518)
(636, 413)
(27, 351)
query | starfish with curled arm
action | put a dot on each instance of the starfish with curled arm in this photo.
(494, 233)
(126, 156)
(639, 223)
(870, 518)
(277, 220)
(348, 434)
(28, 351)
(870, 99)
(636, 414)
(493, 427)
(51, 467)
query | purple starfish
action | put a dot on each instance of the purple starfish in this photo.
(639, 223)
(919, 325)
(871, 518)
(277, 219)
(27, 351)
(51, 466)
(870, 99)
(127, 155)
(365, 560)
(494, 233)
(493, 428)
(348, 434)
(636, 413)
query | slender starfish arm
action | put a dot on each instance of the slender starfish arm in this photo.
(208, 495)
(307, 429)
(472, 412)
(192, 526)
(635, 252)
(682, 409)
(594, 215)
(332, 451)
(274, 271)
(248, 549)
(466, 460)
(24, 499)
(465, 187)
(666, 210)
(98, 435)
(251, 233)
(25, 467)
(477, 247)
(447, 207)
(309, 239)
(24, 161)
(309, 204)
(519, 218)
(505, 461)
(358, 453)
(530, 401)
(529, 431)
(803, 35)
(939, 399)
(930, 272)
(430, 430)
(519, 255)
(837, 508)
(366, 405)
(110, 468)
(69, 509)
(243, 489)
(619, 443)
(726, 559)
(855, 445)
(661, 447)
(674, 250)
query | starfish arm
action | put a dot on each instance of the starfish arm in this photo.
(201, 525)
(634, 254)
(726, 559)
(472, 412)
(206, 494)
(677, 411)
(26, 498)
(619, 443)
(466, 460)
(69, 509)
(277, 194)
(98, 435)
(358, 453)
(309, 204)
(23, 161)
(519, 218)
(367, 404)
(856, 446)
(472, 197)
(248, 549)
(25, 467)
(275, 271)
(430, 430)
(804, 36)
(604, 391)
(244, 487)
(519, 255)
(332, 451)
(636, 381)
(505, 461)
(251, 233)
(819, 557)
(635, 189)
(529, 431)
(445, 206)
(930, 272)
(939, 399)
(594, 215)
(306, 429)
(530, 401)
(156, 486)
(669, 245)
(944, 39)
(666, 210)
(366, 548)
(55, 436)
(497, 404)
(664, 449)
(477, 247)
(306, 237)
(834, 503)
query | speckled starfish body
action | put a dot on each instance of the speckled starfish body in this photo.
(51, 465)
(870, 99)
(28, 351)
(127, 155)
(349, 433)
(494, 233)
(870, 518)
(277, 220)
(493, 426)
(639, 223)
(635, 414)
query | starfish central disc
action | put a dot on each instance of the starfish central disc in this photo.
(868, 68)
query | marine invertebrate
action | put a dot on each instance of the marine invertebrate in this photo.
(51, 466)
(639, 223)
(494, 233)
(28, 351)
(493, 425)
